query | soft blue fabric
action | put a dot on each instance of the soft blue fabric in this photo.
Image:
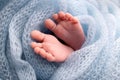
(98, 59)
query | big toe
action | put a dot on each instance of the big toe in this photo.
(50, 24)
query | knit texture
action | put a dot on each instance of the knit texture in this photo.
(98, 59)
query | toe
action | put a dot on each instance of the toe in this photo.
(75, 20)
(50, 24)
(37, 35)
(61, 15)
(68, 16)
(37, 49)
(56, 17)
(50, 57)
(34, 44)
(57, 29)
(42, 53)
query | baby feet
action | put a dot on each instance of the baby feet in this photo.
(50, 48)
(68, 29)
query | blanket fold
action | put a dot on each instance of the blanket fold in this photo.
(98, 59)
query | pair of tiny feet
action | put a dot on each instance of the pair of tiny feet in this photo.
(68, 29)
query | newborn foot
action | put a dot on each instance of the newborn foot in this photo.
(50, 48)
(68, 29)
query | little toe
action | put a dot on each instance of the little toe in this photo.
(34, 44)
(61, 15)
(75, 20)
(50, 57)
(50, 24)
(37, 35)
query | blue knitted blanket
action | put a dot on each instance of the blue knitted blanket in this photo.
(98, 59)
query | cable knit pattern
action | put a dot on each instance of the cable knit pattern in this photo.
(98, 59)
